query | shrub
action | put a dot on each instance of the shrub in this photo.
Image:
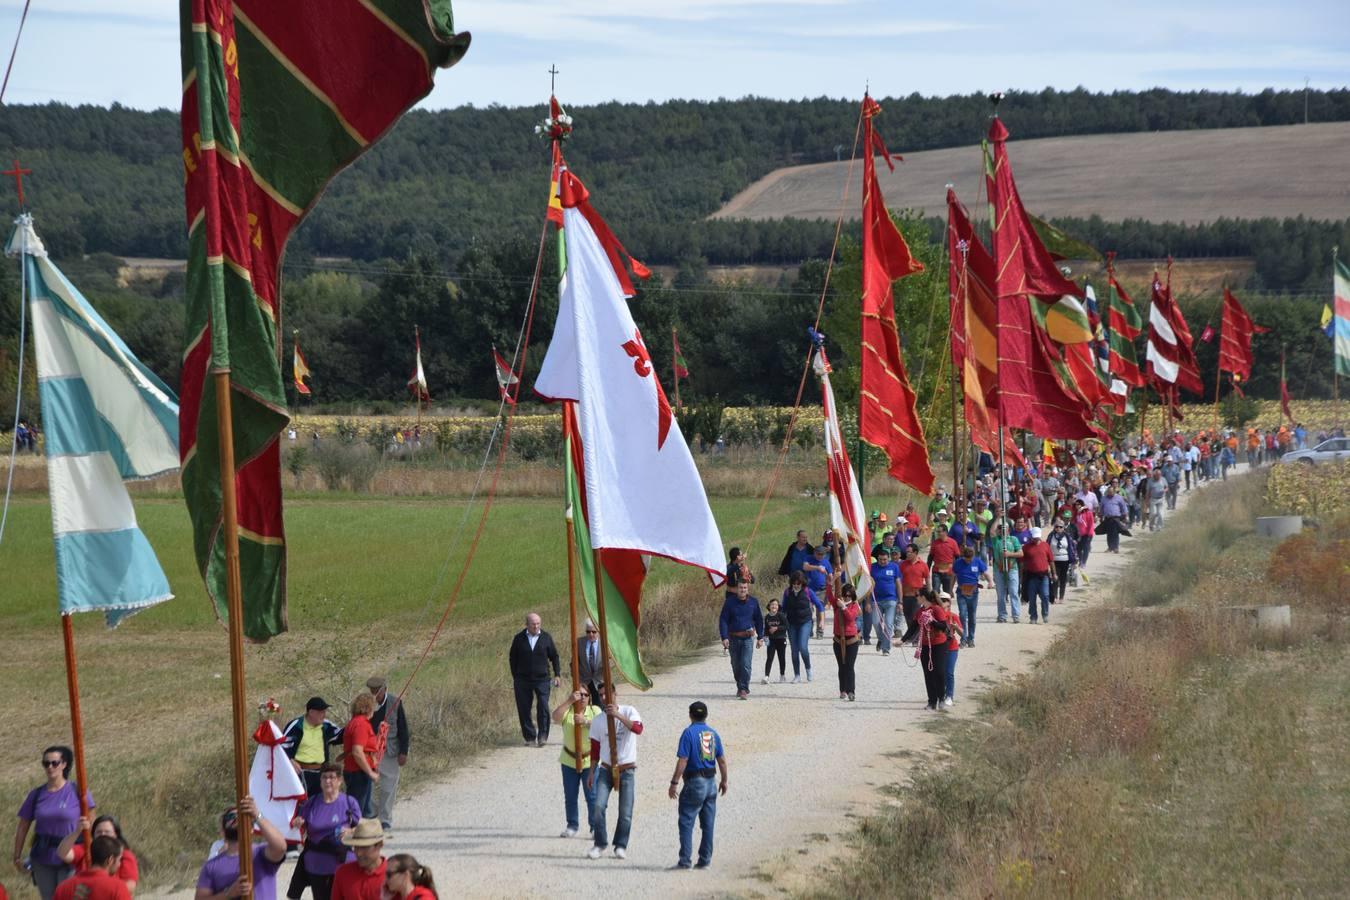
(352, 464)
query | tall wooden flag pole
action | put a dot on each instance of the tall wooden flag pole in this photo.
(235, 607)
(76, 722)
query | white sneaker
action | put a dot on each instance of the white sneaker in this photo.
(594, 853)
(808, 674)
(782, 679)
(764, 680)
(620, 853)
(796, 679)
(568, 833)
(948, 702)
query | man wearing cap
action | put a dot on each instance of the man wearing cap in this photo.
(364, 878)
(398, 743)
(532, 655)
(699, 758)
(220, 878)
(306, 740)
(1038, 568)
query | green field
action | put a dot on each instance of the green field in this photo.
(368, 578)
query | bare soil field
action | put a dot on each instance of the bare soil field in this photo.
(1173, 176)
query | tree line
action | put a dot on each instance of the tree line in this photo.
(109, 180)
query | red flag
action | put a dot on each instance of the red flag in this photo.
(1284, 392)
(1123, 326)
(1025, 266)
(418, 382)
(1235, 343)
(1170, 359)
(887, 418)
(681, 369)
(974, 317)
(1031, 394)
(1207, 333)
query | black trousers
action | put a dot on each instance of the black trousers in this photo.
(847, 658)
(1062, 576)
(910, 607)
(933, 662)
(778, 648)
(529, 693)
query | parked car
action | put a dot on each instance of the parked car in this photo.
(1327, 451)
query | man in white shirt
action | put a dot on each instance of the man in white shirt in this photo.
(1089, 499)
(627, 726)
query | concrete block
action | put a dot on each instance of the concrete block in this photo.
(1278, 526)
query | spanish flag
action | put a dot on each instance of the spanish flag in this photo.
(299, 368)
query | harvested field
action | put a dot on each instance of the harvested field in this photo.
(1174, 176)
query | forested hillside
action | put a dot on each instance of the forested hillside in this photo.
(109, 179)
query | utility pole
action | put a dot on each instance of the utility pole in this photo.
(1305, 100)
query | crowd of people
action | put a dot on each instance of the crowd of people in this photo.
(1028, 536)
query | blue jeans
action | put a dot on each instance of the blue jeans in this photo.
(1038, 586)
(1007, 588)
(866, 621)
(698, 800)
(966, 606)
(604, 784)
(799, 636)
(572, 781)
(950, 674)
(888, 617)
(742, 652)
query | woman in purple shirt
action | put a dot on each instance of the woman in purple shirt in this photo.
(325, 817)
(52, 811)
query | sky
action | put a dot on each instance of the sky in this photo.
(126, 51)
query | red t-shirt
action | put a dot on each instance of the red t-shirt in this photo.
(943, 553)
(92, 884)
(351, 882)
(358, 733)
(1037, 557)
(128, 870)
(954, 642)
(420, 893)
(929, 636)
(913, 575)
(912, 520)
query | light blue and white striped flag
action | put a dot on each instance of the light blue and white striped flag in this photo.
(107, 420)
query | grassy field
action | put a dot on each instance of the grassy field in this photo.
(1159, 749)
(368, 577)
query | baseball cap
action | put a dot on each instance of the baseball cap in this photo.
(1035, 532)
(698, 708)
(316, 703)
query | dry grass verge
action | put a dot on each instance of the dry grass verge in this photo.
(1155, 751)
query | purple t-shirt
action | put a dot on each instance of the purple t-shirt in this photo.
(219, 872)
(323, 823)
(54, 815)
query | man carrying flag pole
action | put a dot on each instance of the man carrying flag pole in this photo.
(634, 481)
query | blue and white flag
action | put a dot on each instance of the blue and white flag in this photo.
(107, 420)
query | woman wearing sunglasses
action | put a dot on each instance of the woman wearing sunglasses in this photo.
(52, 811)
(577, 708)
(406, 879)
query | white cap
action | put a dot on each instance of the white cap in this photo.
(1035, 532)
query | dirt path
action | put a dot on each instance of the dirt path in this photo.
(804, 766)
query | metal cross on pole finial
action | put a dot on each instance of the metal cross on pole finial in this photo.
(552, 79)
(17, 174)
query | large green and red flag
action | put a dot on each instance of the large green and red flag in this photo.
(1123, 325)
(887, 417)
(277, 98)
(1033, 391)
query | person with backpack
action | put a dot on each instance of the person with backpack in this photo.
(1065, 556)
(799, 603)
(51, 811)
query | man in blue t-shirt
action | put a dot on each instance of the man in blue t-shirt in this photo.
(886, 576)
(969, 570)
(699, 758)
(818, 570)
